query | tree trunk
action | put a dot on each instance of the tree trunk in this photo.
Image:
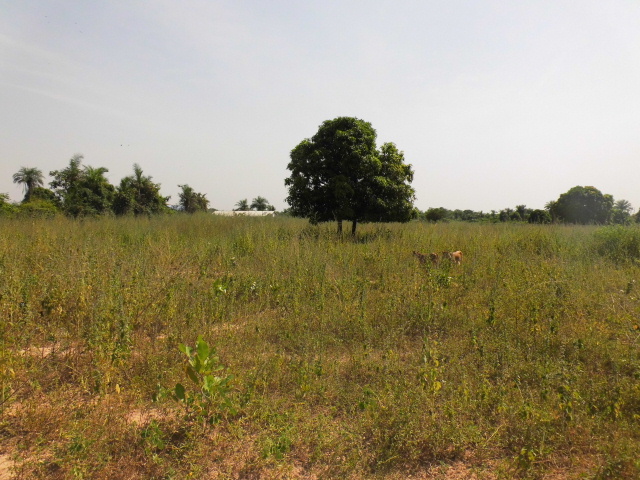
(353, 227)
(340, 226)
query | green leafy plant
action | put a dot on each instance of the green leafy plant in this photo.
(153, 437)
(618, 243)
(526, 459)
(211, 397)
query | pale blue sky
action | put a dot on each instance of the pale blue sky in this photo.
(494, 103)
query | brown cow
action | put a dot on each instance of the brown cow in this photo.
(420, 256)
(433, 257)
(455, 257)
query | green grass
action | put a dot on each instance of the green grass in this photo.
(349, 359)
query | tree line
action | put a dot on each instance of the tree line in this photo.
(580, 205)
(81, 190)
(338, 175)
(259, 204)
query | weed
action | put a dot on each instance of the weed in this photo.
(618, 243)
(351, 361)
(211, 398)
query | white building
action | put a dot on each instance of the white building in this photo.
(244, 213)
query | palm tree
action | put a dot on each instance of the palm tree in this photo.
(137, 194)
(261, 204)
(623, 206)
(621, 212)
(93, 194)
(30, 178)
(192, 201)
(242, 205)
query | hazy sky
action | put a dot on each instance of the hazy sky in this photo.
(494, 103)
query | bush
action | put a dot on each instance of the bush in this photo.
(38, 208)
(618, 243)
(6, 209)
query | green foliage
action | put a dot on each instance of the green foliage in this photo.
(618, 243)
(38, 208)
(339, 174)
(153, 436)
(46, 195)
(211, 398)
(436, 214)
(6, 209)
(390, 197)
(30, 178)
(583, 205)
(353, 360)
(82, 190)
(621, 213)
(261, 204)
(192, 201)
(40, 202)
(442, 214)
(242, 205)
(539, 216)
(138, 195)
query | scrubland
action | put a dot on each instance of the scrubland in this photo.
(320, 356)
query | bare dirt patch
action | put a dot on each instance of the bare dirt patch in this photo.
(6, 466)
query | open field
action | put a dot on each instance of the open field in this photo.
(335, 357)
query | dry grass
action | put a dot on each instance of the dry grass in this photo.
(350, 359)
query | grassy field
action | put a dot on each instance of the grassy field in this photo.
(319, 356)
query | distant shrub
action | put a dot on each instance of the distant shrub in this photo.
(309, 232)
(539, 216)
(618, 243)
(536, 241)
(38, 208)
(243, 244)
(7, 209)
(378, 233)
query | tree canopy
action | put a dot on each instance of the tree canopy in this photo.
(192, 201)
(261, 204)
(242, 205)
(138, 195)
(339, 174)
(30, 178)
(621, 212)
(6, 208)
(82, 190)
(583, 205)
(539, 216)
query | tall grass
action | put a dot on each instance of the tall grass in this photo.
(349, 358)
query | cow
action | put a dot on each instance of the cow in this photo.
(433, 257)
(420, 256)
(455, 257)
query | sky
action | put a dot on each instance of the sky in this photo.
(494, 103)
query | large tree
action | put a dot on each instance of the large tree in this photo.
(82, 190)
(584, 205)
(138, 195)
(339, 174)
(30, 178)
